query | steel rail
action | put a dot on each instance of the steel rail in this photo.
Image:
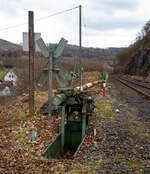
(134, 88)
(144, 86)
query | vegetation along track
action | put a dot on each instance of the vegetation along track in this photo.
(139, 87)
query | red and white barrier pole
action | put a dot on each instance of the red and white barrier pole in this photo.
(104, 89)
(88, 85)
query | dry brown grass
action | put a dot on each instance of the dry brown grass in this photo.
(65, 64)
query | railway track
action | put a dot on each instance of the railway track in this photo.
(136, 86)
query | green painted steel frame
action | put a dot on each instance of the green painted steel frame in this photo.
(76, 107)
(72, 139)
(63, 129)
(103, 74)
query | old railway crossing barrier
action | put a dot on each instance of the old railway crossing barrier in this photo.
(76, 106)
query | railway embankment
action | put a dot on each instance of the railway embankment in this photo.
(118, 139)
(124, 128)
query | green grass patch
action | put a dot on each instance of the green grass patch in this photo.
(130, 161)
(100, 160)
(1, 117)
(82, 169)
(3, 72)
(21, 134)
(22, 137)
(35, 172)
(30, 158)
(21, 117)
(104, 109)
(59, 169)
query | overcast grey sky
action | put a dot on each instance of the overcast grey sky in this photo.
(106, 23)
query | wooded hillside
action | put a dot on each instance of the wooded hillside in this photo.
(135, 59)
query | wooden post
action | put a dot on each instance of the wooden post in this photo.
(31, 61)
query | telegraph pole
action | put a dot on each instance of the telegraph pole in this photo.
(50, 87)
(80, 45)
(31, 60)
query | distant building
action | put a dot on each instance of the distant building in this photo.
(5, 91)
(9, 80)
(11, 77)
(26, 42)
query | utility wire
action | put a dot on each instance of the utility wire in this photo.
(36, 20)
(14, 26)
(57, 13)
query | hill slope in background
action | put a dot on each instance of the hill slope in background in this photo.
(8, 46)
(8, 49)
(108, 54)
(140, 61)
(136, 57)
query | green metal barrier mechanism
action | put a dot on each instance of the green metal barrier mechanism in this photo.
(76, 107)
(103, 74)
